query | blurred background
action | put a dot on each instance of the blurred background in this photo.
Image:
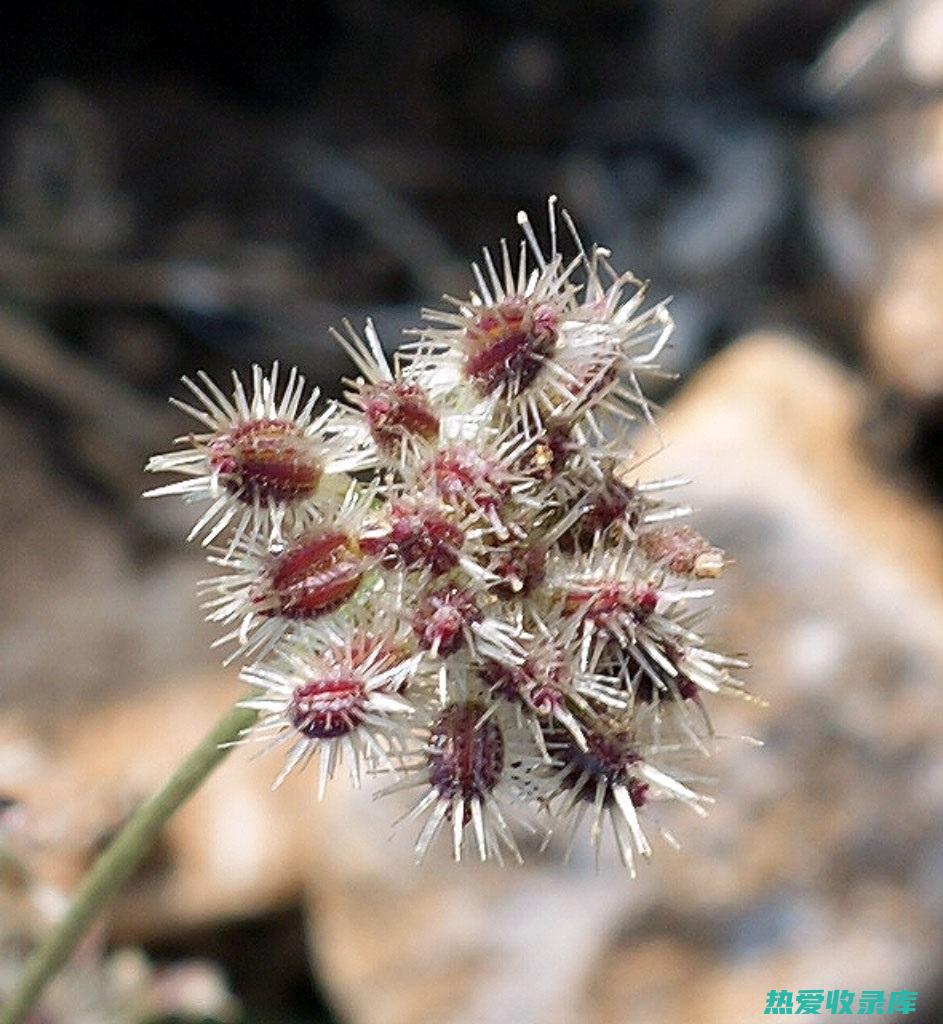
(179, 192)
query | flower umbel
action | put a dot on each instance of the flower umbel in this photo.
(456, 577)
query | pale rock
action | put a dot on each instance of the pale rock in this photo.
(904, 330)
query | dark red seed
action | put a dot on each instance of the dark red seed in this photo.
(644, 601)
(682, 551)
(463, 476)
(419, 537)
(466, 755)
(522, 569)
(266, 460)
(328, 707)
(539, 682)
(610, 601)
(442, 618)
(638, 793)
(508, 345)
(316, 575)
(397, 410)
(607, 504)
(608, 757)
(687, 689)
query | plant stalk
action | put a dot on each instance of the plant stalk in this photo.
(118, 862)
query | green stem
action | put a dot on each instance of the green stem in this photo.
(116, 865)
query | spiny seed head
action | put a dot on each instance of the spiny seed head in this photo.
(443, 618)
(608, 757)
(267, 459)
(609, 600)
(606, 504)
(682, 551)
(521, 569)
(313, 576)
(330, 706)
(465, 476)
(540, 681)
(508, 344)
(396, 410)
(420, 536)
(465, 753)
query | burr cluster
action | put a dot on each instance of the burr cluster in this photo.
(455, 577)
